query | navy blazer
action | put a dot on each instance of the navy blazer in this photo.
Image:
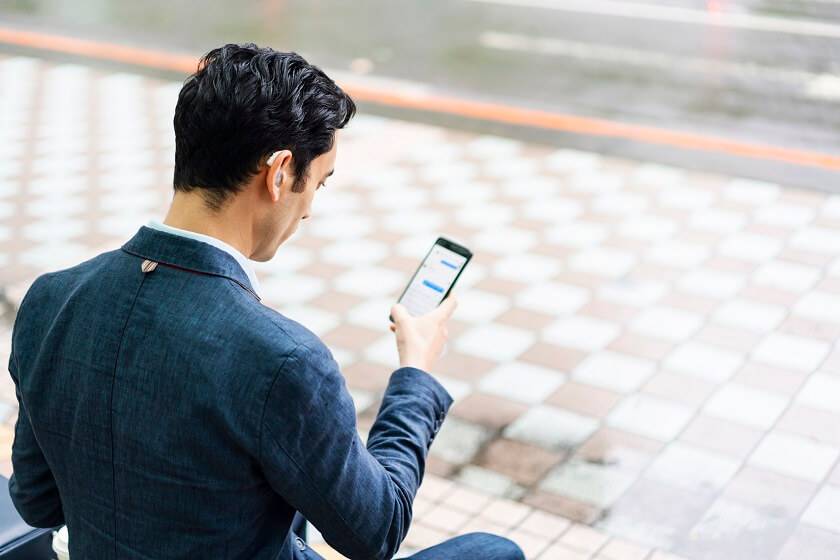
(167, 413)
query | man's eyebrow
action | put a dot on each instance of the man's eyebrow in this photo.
(330, 173)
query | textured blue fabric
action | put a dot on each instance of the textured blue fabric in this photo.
(170, 414)
(472, 546)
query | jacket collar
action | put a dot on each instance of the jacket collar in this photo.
(183, 252)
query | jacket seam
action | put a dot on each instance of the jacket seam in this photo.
(300, 469)
(111, 407)
(199, 271)
(265, 402)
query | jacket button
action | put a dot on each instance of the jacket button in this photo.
(300, 544)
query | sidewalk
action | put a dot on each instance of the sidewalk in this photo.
(640, 349)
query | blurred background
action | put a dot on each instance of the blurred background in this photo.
(644, 360)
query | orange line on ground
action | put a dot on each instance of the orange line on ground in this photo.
(98, 49)
(445, 104)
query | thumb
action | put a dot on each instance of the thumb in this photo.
(399, 313)
(445, 309)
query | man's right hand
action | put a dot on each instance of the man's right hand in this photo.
(420, 340)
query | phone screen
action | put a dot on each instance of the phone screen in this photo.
(435, 277)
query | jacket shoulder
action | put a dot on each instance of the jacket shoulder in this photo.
(48, 286)
(272, 324)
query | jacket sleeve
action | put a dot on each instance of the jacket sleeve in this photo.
(359, 497)
(32, 486)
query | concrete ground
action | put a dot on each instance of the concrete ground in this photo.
(644, 359)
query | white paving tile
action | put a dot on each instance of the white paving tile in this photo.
(370, 281)
(317, 320)
(458, 441)
(656, 175)
(577, 234)
(620, 204)
(717, 221)
(599, 485)
(504, 240)
(678, 254)
(552, 209)
(746, 405)
(712, 283)
(403, 198)
(794, 456)
(750, 247)
(586, 333)
(750, 315)
(361, 399)
(685, 466)
(456, 388)
(704, 361)
(611, 263)
(637, 293)
(784, 215)
(522, 382)
(489, 482)
(752, 192)
(340, 227)
(527, 268)
(666, 323)
(354, 252)
(821, 391)
(538, 186)
(572, 160)
(495, 342)
(647, 228)
(817, 240)
(383, 351)
(685, 198)
(820, 306)
(287, 259)
(509, 169)
(649, 416)
(791, 352)
(824, 510)
(551, 427)
(493, 146)
(54, 230)
(553, 297)
(484, 214)
(413, 221)
(372, 313)
(614, 371)
(480, 306)
(786, 275)
(56, 255)
(291, 288)
(595, 181)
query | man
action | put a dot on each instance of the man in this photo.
(166, 413)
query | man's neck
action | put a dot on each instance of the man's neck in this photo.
(188, 212)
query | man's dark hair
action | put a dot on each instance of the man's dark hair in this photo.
(243, 103)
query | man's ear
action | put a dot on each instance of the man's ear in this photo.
(279, 164)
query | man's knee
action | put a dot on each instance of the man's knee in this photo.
(498, 548)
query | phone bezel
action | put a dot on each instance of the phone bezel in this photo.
(446, 244)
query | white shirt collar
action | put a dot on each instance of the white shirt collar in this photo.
(243, 261)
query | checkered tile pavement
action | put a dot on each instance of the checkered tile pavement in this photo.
(643, 358)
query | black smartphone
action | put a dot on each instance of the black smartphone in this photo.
(435, 277)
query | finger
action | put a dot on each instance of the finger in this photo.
(445, 309)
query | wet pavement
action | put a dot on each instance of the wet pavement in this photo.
(758, 71)
(646, 351)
